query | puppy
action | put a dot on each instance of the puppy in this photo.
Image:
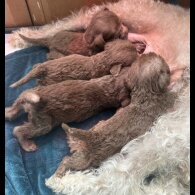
(148, 79)
(104, 26)
(62, 44)
(82, 67)
(67, 101)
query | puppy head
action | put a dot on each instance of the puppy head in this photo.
(153, 73)
(104, 26)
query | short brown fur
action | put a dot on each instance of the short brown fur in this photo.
(104, 26)
(117, 52)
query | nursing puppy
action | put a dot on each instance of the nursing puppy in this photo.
(149, 78)
(67, 101)
(104, 26)
(117, 52)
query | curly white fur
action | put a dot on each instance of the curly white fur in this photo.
(156, 163)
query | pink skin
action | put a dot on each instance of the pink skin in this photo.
(143, 40)
(140, 40)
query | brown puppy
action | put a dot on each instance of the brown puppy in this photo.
(82, 67)
(67, 101)
(104, 26)
(148, 79)
(62, 44)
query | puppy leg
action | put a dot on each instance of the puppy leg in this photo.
(20, 132)
(29, 130)
(78, 161)
(74, 132)
(75, 144)
(12, 111)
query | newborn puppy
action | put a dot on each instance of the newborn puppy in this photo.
(82, 67)
(148, 79)
(67, 101)
(104, 26)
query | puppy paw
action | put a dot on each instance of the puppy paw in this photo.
(28, 145)
(10, 113)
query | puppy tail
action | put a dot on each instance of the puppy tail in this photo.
(40, 41)
(74, 132)
(37, 71)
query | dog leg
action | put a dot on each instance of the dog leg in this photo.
(74, 132)
(12, 111)
(20, 132)
(37, 126)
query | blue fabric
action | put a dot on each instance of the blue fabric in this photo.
(25, 172)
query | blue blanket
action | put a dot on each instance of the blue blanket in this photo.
(25, 172)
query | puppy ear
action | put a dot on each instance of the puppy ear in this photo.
(115, 70)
